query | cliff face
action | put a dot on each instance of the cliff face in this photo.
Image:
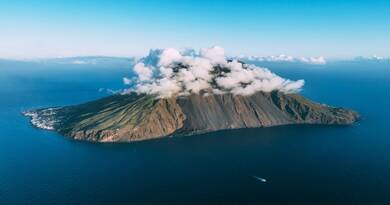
(133, 117)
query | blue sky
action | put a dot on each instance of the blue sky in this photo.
(333, 29)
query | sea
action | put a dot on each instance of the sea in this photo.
(295, 164)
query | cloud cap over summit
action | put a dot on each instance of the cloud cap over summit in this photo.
(168, 72)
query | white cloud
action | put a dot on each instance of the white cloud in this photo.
(372, 58)
(144, 73)
(168, 56)
(126, 81)
(169, 72)
(215, 54)
(313, 60)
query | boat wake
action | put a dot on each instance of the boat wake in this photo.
(260, 179)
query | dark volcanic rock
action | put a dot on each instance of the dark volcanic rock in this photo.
(133, 117)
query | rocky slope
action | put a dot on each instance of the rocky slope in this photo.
(133, 117)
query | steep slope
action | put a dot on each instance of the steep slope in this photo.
(216, 112)
(133, 117)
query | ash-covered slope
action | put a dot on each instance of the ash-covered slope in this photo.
(133, 117)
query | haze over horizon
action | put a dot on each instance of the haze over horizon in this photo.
(331, 29)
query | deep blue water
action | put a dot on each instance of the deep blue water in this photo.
(302, 164)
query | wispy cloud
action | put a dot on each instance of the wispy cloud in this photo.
(284, 58)
(81, 60)
(372, 58)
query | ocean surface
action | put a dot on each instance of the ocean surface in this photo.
(301, 164)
